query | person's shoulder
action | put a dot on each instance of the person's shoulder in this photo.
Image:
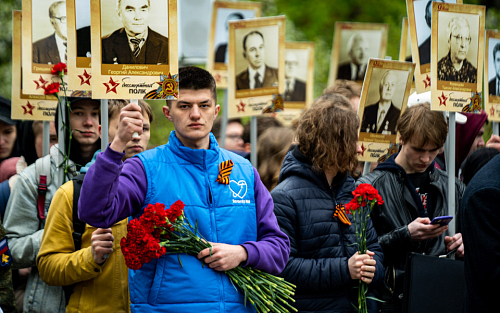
(271, 69)
(157, 36)
(236, 158)
(44, 41)
(117, 33)
(243, 74)
(373, 106)
(375, 178)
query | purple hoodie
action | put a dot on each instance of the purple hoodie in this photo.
(465, 136)
(114, 190)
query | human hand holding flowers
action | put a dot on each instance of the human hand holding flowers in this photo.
(362, 266)
(223, 257)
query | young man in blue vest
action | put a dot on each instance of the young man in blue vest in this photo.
(237, 217)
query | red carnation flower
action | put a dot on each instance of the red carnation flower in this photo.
(51, 89)
(59, 68)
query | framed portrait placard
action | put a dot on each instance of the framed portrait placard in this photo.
(299, 74)
(384, 96)
(492, 75)
(24, 106)
(79, 52)
(256, 66)
(134, 49)
(44, 43)
(405, 43)
(218, 49)
(457, 57)
(420, 23)
(353, 45)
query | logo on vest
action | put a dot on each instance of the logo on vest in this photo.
(239, 190)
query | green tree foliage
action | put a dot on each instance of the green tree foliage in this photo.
(6, 8)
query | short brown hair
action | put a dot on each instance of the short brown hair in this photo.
(347, 88)
(195, 78)
(328, 135)
(334, 99)
(422, 125)
(115, 105)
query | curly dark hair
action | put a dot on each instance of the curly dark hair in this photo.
(328, 135)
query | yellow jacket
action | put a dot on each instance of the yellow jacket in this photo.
(100, 288)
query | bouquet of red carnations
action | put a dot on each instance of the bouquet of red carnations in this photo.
(159, 231)
(360, 207)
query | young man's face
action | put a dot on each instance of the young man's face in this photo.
(255, 51)
(8, 135)
(84, 121)
(134, 15)
(193, 116)
(415, 159)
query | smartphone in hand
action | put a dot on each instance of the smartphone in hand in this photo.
(442, 220)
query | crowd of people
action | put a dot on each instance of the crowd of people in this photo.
(64, 236)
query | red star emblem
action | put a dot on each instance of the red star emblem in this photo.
(41, 83)
(442, 99)
(28, 109)
(492, 111)
(363, 149)
(241, 107)
(85, 78)
(427, 81)
(111, 86)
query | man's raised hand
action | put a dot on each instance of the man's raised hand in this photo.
(130, 122)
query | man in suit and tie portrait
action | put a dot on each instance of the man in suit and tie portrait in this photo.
(258, 74)
(382, 117)
(494, 84)
(135, 42)
(221, 51)
(53, 49)
(357, 49)
(295, 89)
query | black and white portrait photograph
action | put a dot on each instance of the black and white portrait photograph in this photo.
(493, 66)
(49, 32)
(82, 14)
(224, 15)
(423, 24)
(384, 101)
(457, 47)
(257, 57)
(353, 45)
(134, 32)
(296, 61)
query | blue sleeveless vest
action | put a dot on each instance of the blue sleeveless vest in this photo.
(225, 213)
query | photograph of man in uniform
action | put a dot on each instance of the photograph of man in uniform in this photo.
(295, 89)
(258, 74)
(53, 49)
(135, 42)
(494, 84)
(455, 66)
(382, 117)
(221, 50)
(357, 49)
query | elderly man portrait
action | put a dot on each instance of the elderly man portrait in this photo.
(258, 74)
(455, 66)
(357, 49)
(53, 49)
(135, 42)
(494, 84)
(295, 89)
(382, 117)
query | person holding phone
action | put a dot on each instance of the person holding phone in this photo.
(414, 193)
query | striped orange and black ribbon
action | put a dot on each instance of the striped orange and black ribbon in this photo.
(225, 169)
(340, 214)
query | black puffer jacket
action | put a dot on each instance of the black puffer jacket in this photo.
(320, 244)
(401, 207)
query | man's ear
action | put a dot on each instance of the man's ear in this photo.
(401, 140)
(166, 112)
(217, 110)
(244, 54)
